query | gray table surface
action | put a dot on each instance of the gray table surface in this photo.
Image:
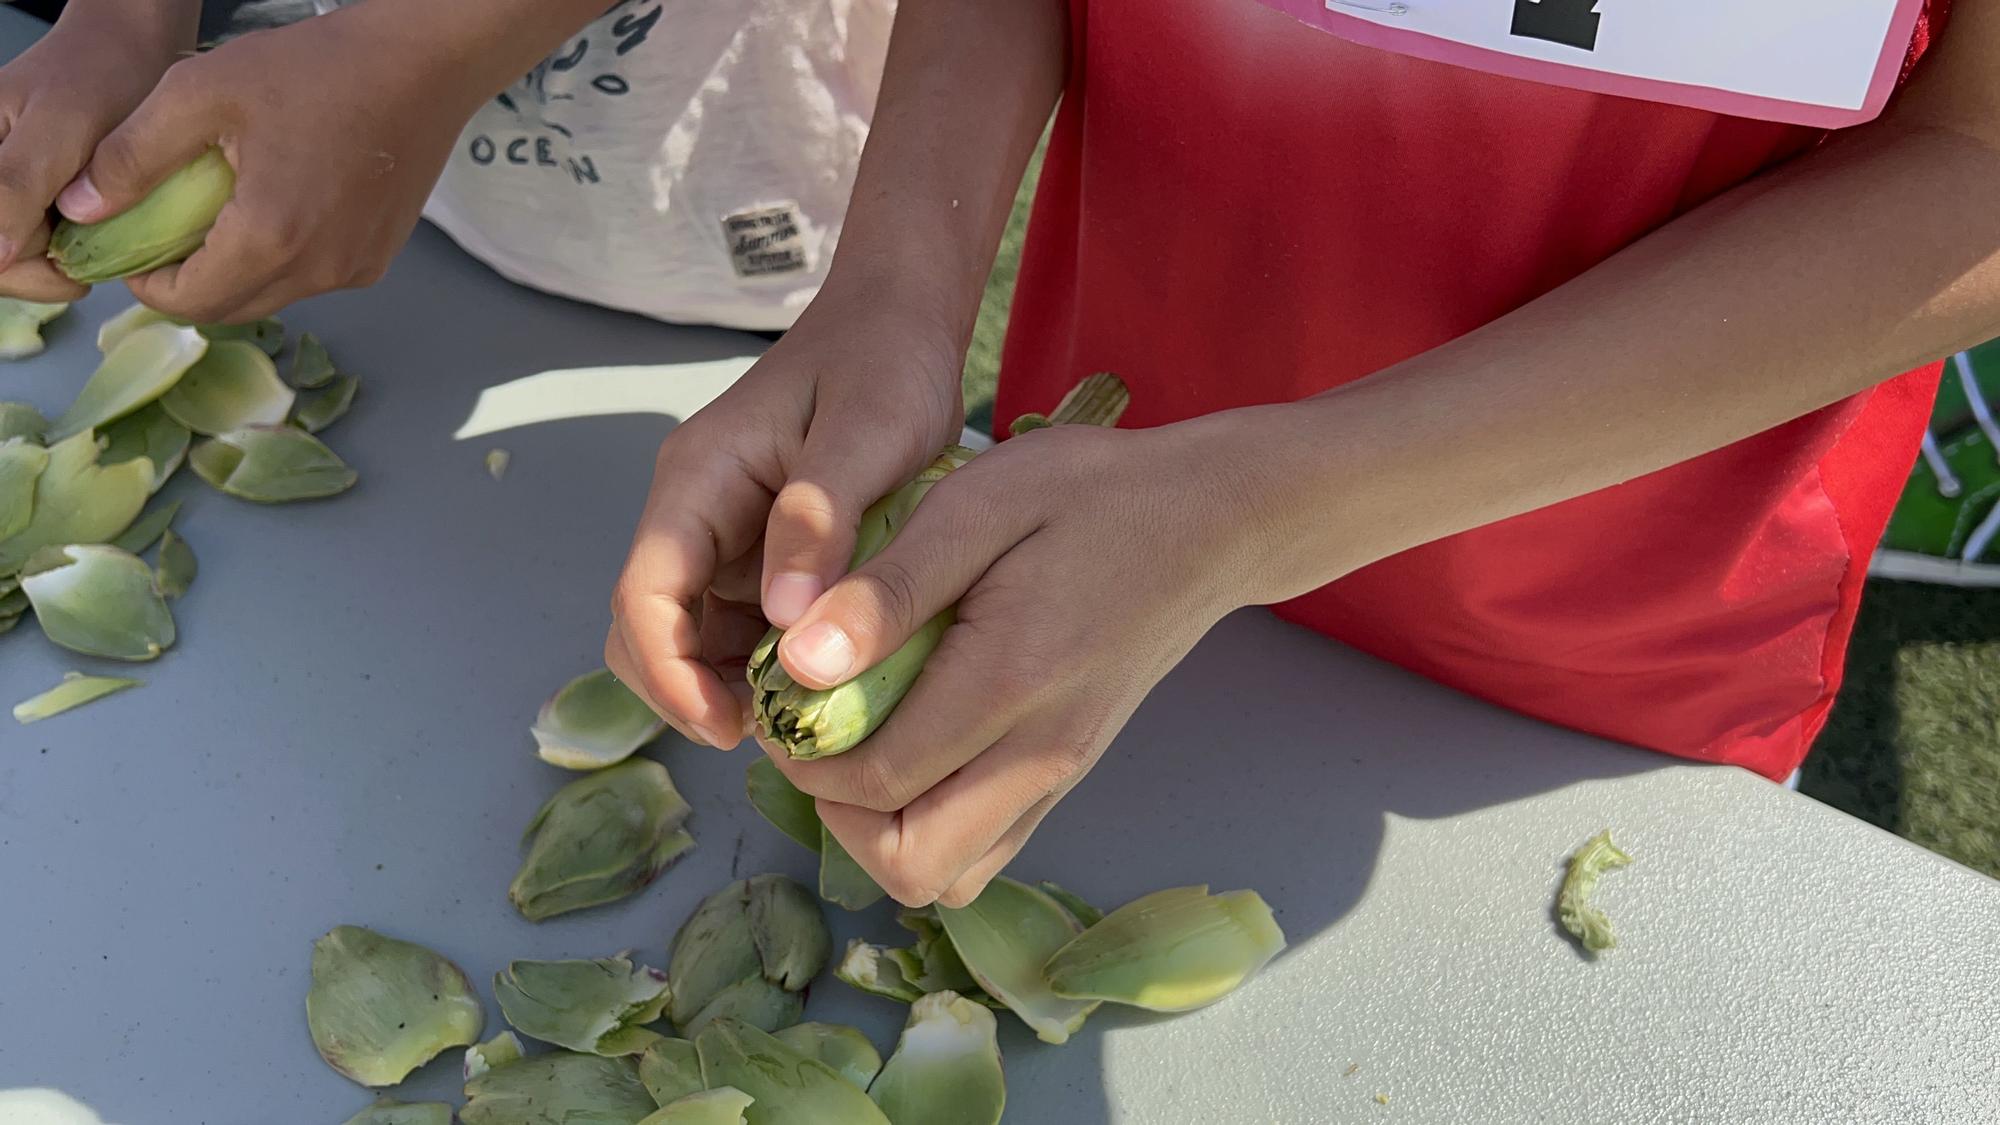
(341, 736)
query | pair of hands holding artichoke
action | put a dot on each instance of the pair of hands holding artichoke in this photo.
(1084, 563)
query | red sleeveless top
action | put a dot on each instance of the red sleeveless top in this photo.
(1240, 209)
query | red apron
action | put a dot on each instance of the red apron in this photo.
(1240, 209)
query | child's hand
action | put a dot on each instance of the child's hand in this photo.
(337, 129)
(756, 498)
(57, 99)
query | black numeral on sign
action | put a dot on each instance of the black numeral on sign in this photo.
(1573, 23)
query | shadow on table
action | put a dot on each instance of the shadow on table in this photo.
(1290, 802)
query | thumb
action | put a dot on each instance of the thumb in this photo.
(168, 130)
(963, 525)
(810, 536)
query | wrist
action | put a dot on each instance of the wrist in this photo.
(1288, 508)
(926, 339)
(927, 288)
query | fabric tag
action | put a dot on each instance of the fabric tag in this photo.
(767, 241)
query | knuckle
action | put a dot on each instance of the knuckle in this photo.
(180, 80)
(116, 160)
(911, 886)
(890, 590)
(625, 598)
(202, 309)
(807, 507)
(880, 787)
(1066, 758)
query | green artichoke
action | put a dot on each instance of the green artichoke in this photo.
(820, 724)
(166, 226)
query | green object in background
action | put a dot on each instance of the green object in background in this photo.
(1946, 526)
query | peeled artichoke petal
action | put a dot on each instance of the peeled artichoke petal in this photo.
(1171, 951)
(312, 367)
(786, 1085)
(78, 501)
(379, 1008)
(724, 1105)
(19, 420)
(177, 565)
(841, 880)
(587, 1006)
(403, 1113)
(1085, 914)
(746, 953)
(99, 601)
(560, 1088)
(147, 529)
(21, 464)
(600, 838)
(75, 690)
(753, 1001)
(789, 931)
(268, 334)
(946, 1069)
(789, 809)
(498, 1051)
(843, 1048)
(234, 385)
(593, 722)
(271, 465)
(320, 409)
(21, 325)
(125, 322)
(1005, 936)
(869, 968)
(150, 433)
(670, 1070)
(144, 366)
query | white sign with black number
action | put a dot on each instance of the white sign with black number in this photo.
(1827, 62)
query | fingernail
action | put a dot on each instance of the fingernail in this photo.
(714, 739)
(822, 652)
(80, 199)
(790, 595)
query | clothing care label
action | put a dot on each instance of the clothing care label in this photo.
(767, 241)
(1827, 63)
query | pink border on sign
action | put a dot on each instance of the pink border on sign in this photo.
(1902, 26)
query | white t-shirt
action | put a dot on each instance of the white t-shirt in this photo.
(690, 162)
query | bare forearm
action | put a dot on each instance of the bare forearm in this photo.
(475, 50)
(169, 24)
(968, 87)
(1859, 262)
